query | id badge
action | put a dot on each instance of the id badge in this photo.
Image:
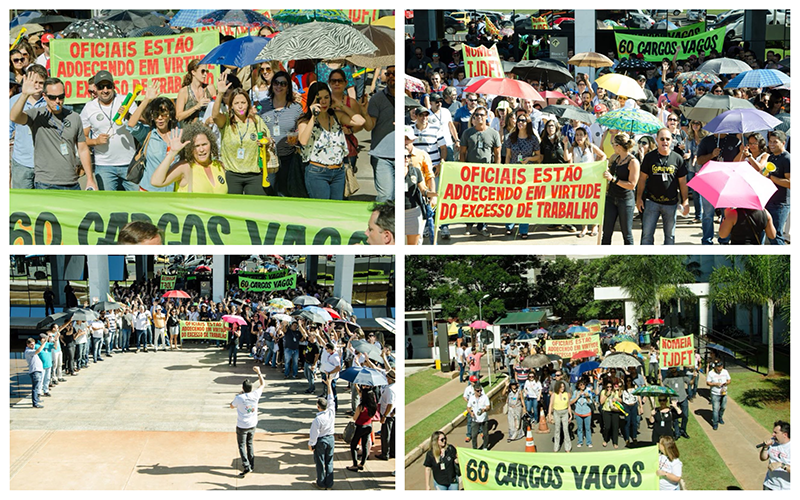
(662, 423)
(665, 177)
(64, 149)
(240, 154)
(276, 130)
(441, 465)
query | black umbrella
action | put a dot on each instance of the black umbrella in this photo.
(310, 316)
(155, 30)
(672, 332)
(53, 318)
(94, 28)
(633, 64)
(339, 304)
(569, 112)
(543, 70)
(55, 21)
(126, 20)
(106, 306)
(411, 102)
(81, 314)
(721, 349)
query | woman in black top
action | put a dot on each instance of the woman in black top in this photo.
(662, 418)
(553, 146)
(441, 462)
(746, 226)
(622, 174)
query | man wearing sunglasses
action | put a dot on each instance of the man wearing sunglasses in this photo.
(22, 155)
(57, 132)
(113, 144)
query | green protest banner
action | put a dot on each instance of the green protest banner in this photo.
(482, 61)
(146, 61)
(267, 285)
(168, 282)
(677, 351)
(656, 48)
(214, 330)
(567, 347)
(270, 275)
(682, 32)
(95, 217)
(522, 193)
(594, 471)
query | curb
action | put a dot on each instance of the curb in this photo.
(421, 448)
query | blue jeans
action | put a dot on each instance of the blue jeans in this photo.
(271, 355)
(707, 221)
(325, 183)
(679, 424)
(523, 228)
(108, 340)
(83, 355)
(779, 215)
(141, 339)
(630, 429)
(97, 348)
(232, 351)
(69, 187)
(36, 386)
(291, 356)
(532, 407)
(111, 178)
(469, 425)
(440, 487)
(244, 438)
(718, 404)
(308, 371)
(450, 154)
(150, 334)
(584, 425)
(21, 176)
(621, 208)
(323, 459)
(696, 198)
(652, 211)
(461, 367)
(125, 339)
(383, 170)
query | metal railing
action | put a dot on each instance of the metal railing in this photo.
(745, 354)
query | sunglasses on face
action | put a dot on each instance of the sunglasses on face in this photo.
(280, 83)
(479, 115)
(59, 97)
(104, 86)
(472, 100)
(203, 71)
(390, 73)
(672, 119)
(17, 60)
(336, 80)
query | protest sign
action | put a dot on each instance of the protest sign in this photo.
(532, 193)
(214, 330)
(567, 347)
(682, 32)
(633, 469)
(363, 16)
(482, 61)
(676, 352)
(656, 48)
(96, 217)
(270, 275)
(168, 282)
(267, 285)
(158, 61)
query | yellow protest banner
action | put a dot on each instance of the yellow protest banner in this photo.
(567, 347)
(676, 352)
(214, 330)
(532, 193)
(633, 469)
(168, 282)
(482, 61)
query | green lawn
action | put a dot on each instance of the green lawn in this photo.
(422, 383)
(765, 399)
(703, 468)
(441, 417)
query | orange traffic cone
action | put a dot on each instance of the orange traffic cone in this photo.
(530, 446)
(543, 428)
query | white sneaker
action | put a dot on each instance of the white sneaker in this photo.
(579, 445)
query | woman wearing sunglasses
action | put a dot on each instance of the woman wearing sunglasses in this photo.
(522, 147)
(19, 61)
(280, 112)
(195, 94)
(340, 95)
(441, 464)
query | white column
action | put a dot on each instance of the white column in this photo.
(705, 314)
(98, 277)
(585, 29)
(218, 278)
(631, 317)
(343, 277)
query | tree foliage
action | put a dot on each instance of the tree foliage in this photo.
(650, 280)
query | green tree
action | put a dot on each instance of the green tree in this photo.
(651, 280)
(754, 280)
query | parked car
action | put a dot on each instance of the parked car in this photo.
(735, 30)
(462, 16)
(453, 25)
(696, 15)
(638, 19)
(657, 13)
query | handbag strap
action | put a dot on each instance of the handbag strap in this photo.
(146, 142)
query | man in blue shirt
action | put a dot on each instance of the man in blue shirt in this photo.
(22, 155)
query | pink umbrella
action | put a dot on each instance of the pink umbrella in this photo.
(505, 87)
(233, 318)
(551, 96)
(733, 185)
(479, 325)
(414, 84)
(176, 294)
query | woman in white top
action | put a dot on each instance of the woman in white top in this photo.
(670, 467)
(754, 151)
(584, 151)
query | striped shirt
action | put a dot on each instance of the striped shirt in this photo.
(430, 140)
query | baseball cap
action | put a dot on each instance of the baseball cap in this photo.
(422, 109)
(473, 379)
(47, 37)
(103, 76)
(436, 96)
(409, 132)
(504, 105)
(641, 77)
(600, 108)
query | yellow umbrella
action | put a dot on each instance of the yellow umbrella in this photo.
(628, 347)
(452, 329)
(387, 21)
(621, 85)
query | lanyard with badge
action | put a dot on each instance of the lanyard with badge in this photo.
(60, 130)
(240, 153)
(109, 116)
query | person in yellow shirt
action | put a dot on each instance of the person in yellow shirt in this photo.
(199, 170)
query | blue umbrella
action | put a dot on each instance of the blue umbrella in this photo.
(187, 18)
(24, 18)
(525, 336)
(364, 376)
(757, 78)
(739, 121)
(587, 366)
(577, 329)
(239, 52)
(318, 310)
(722, 349)
(539, 331)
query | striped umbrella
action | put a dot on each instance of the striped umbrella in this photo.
(634, 121)
(693, 77)
(317, 41)
(302, 16)
(188, 18)
(759, 78)
(590, 60)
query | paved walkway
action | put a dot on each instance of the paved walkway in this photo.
(421, 408)
(162, 421)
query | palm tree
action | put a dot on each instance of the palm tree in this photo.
(650, 280)
(758, 280)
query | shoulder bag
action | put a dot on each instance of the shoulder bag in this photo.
(136, 167)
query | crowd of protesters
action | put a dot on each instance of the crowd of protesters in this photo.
(446, 123)
(207, 139)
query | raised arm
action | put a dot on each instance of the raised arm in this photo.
(164, 175)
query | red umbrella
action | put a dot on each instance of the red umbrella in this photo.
(200, 269)
(555, 95)
(333, 313)
(584, 354)
(176, 294)
(505, 87)
(654, 322)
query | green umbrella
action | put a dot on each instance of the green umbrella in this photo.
(302, 16)
(655, 390)
(631, 120)
(623, 338)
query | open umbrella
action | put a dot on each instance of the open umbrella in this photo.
(633, 64)
(25, 17)
(733, 185)
(202, 269)
(672, 332)
(388, 323)
(655, 391)
(302, 16)
(81, 314)
(126, 20)
(622, 338)
(281, 302)
(626, 347)
(551, 96)
(321, 312)
(584, 354)
(543, 70)
(504, 87)
(695, 77)
(479, 325)
(176, 294)
(340, 304)
(740, 121)
(724, 66)
(710, 106)
(283, 317)
(234, 318)
(722, 349)
(655, 321)
(305, 300)
(553, 357)
(94, 28)
(759, 78)
(587, 366)
(364, 376)
(317, 41)
(239, 52)
(30, 29)
(631, 120)
(576, 329)
(539, 331)
(311, 316)
(53, 318)
(620, 360)
(383, 38)
(332, 312)
(569, 113)
(236, 17)
(349, 324)
(535, 361)
(187, 18)
(621, 85)
(55, 21)
(106, 306)
(371, 350)
(155, 30)
(590, 60)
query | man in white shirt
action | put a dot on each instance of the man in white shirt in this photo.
(330, 366)
(478, 407)
(35, 369)
(246, 405)
(140, 321)
(387, 410)
(460, 360)
(441, 117)
(777, 450)
(113, 144)
(719, 380)
(321, 438)
(98, 327)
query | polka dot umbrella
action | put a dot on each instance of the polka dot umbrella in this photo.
(93, 28)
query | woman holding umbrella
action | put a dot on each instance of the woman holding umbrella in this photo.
(233, 342)
(514, 409)
(522, 146)
(622, 174)
(364, 413)
(195, 94)
(663, 417)
(754, 151)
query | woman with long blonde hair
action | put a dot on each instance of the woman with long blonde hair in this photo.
(441, 464)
